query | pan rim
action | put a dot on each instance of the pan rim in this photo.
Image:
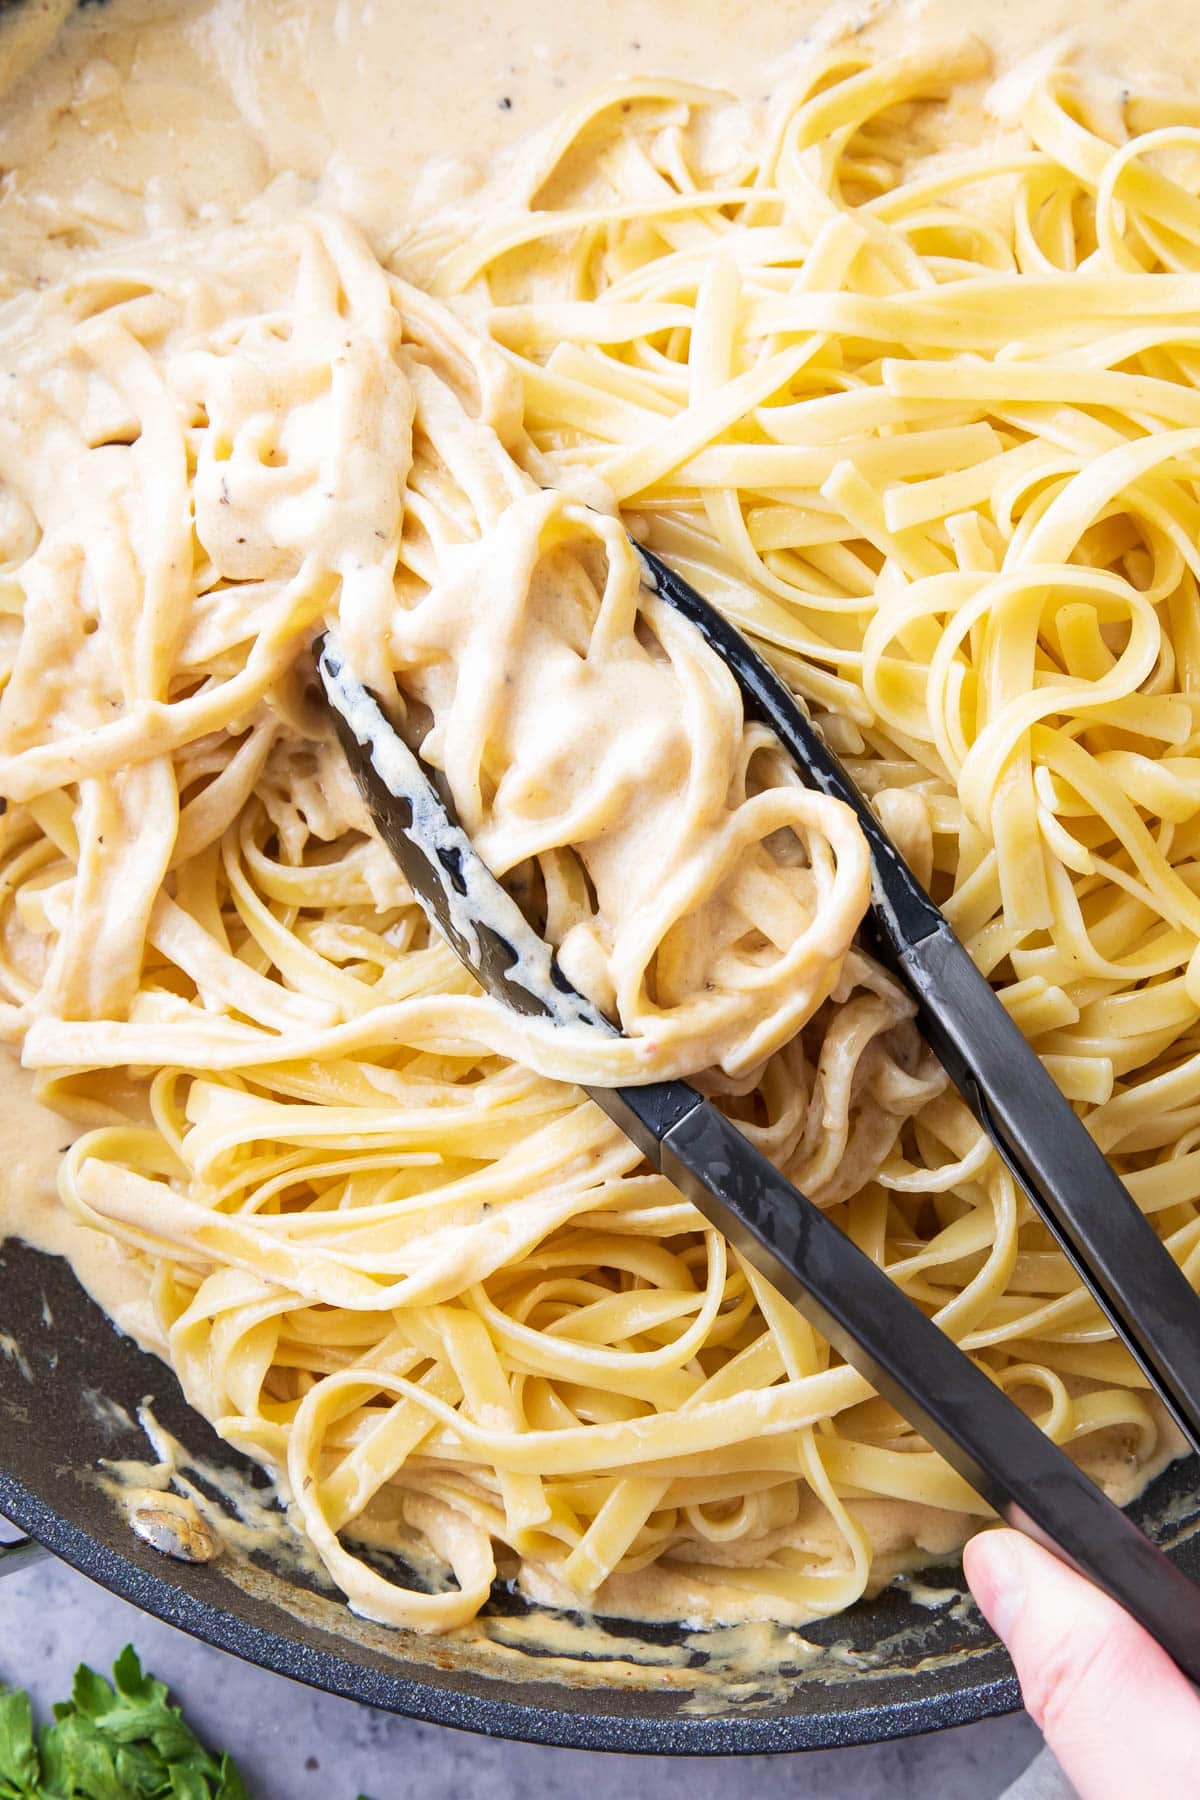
(555, 1727)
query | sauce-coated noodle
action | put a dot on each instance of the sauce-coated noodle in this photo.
(927, 424)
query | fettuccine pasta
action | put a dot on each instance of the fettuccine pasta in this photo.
(925, 422)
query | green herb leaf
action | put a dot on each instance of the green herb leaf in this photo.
(18, 1752)
(120, 1742)
(186, 1784)
(230, 1785)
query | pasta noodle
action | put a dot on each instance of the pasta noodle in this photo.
(925, 421)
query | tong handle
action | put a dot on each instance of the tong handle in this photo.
(1112, 1245)
(1076, 1192)
(955, 1405)
(874, 1325)
(20, 1553)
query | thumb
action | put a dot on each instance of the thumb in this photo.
(1115, 1710)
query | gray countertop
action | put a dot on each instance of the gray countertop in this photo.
(294, 1744)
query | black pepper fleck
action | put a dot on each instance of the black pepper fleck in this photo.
(505, 103)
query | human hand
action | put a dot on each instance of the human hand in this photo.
(1113, 1707)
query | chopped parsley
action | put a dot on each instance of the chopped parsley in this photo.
(124, 1742)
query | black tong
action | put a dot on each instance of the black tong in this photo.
(1045, 1144)
(952, 1402)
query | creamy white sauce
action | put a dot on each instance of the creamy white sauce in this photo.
(393, 108)
(164, 113)
(34, 1139)
(160, 111)
(475, 899)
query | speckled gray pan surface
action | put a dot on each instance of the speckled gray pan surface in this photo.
(294, 1744)
(893, 1669)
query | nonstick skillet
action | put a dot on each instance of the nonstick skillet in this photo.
(70, 1388)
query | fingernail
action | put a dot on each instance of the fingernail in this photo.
(997, 1577)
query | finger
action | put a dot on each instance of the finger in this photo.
(1113, 1707)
